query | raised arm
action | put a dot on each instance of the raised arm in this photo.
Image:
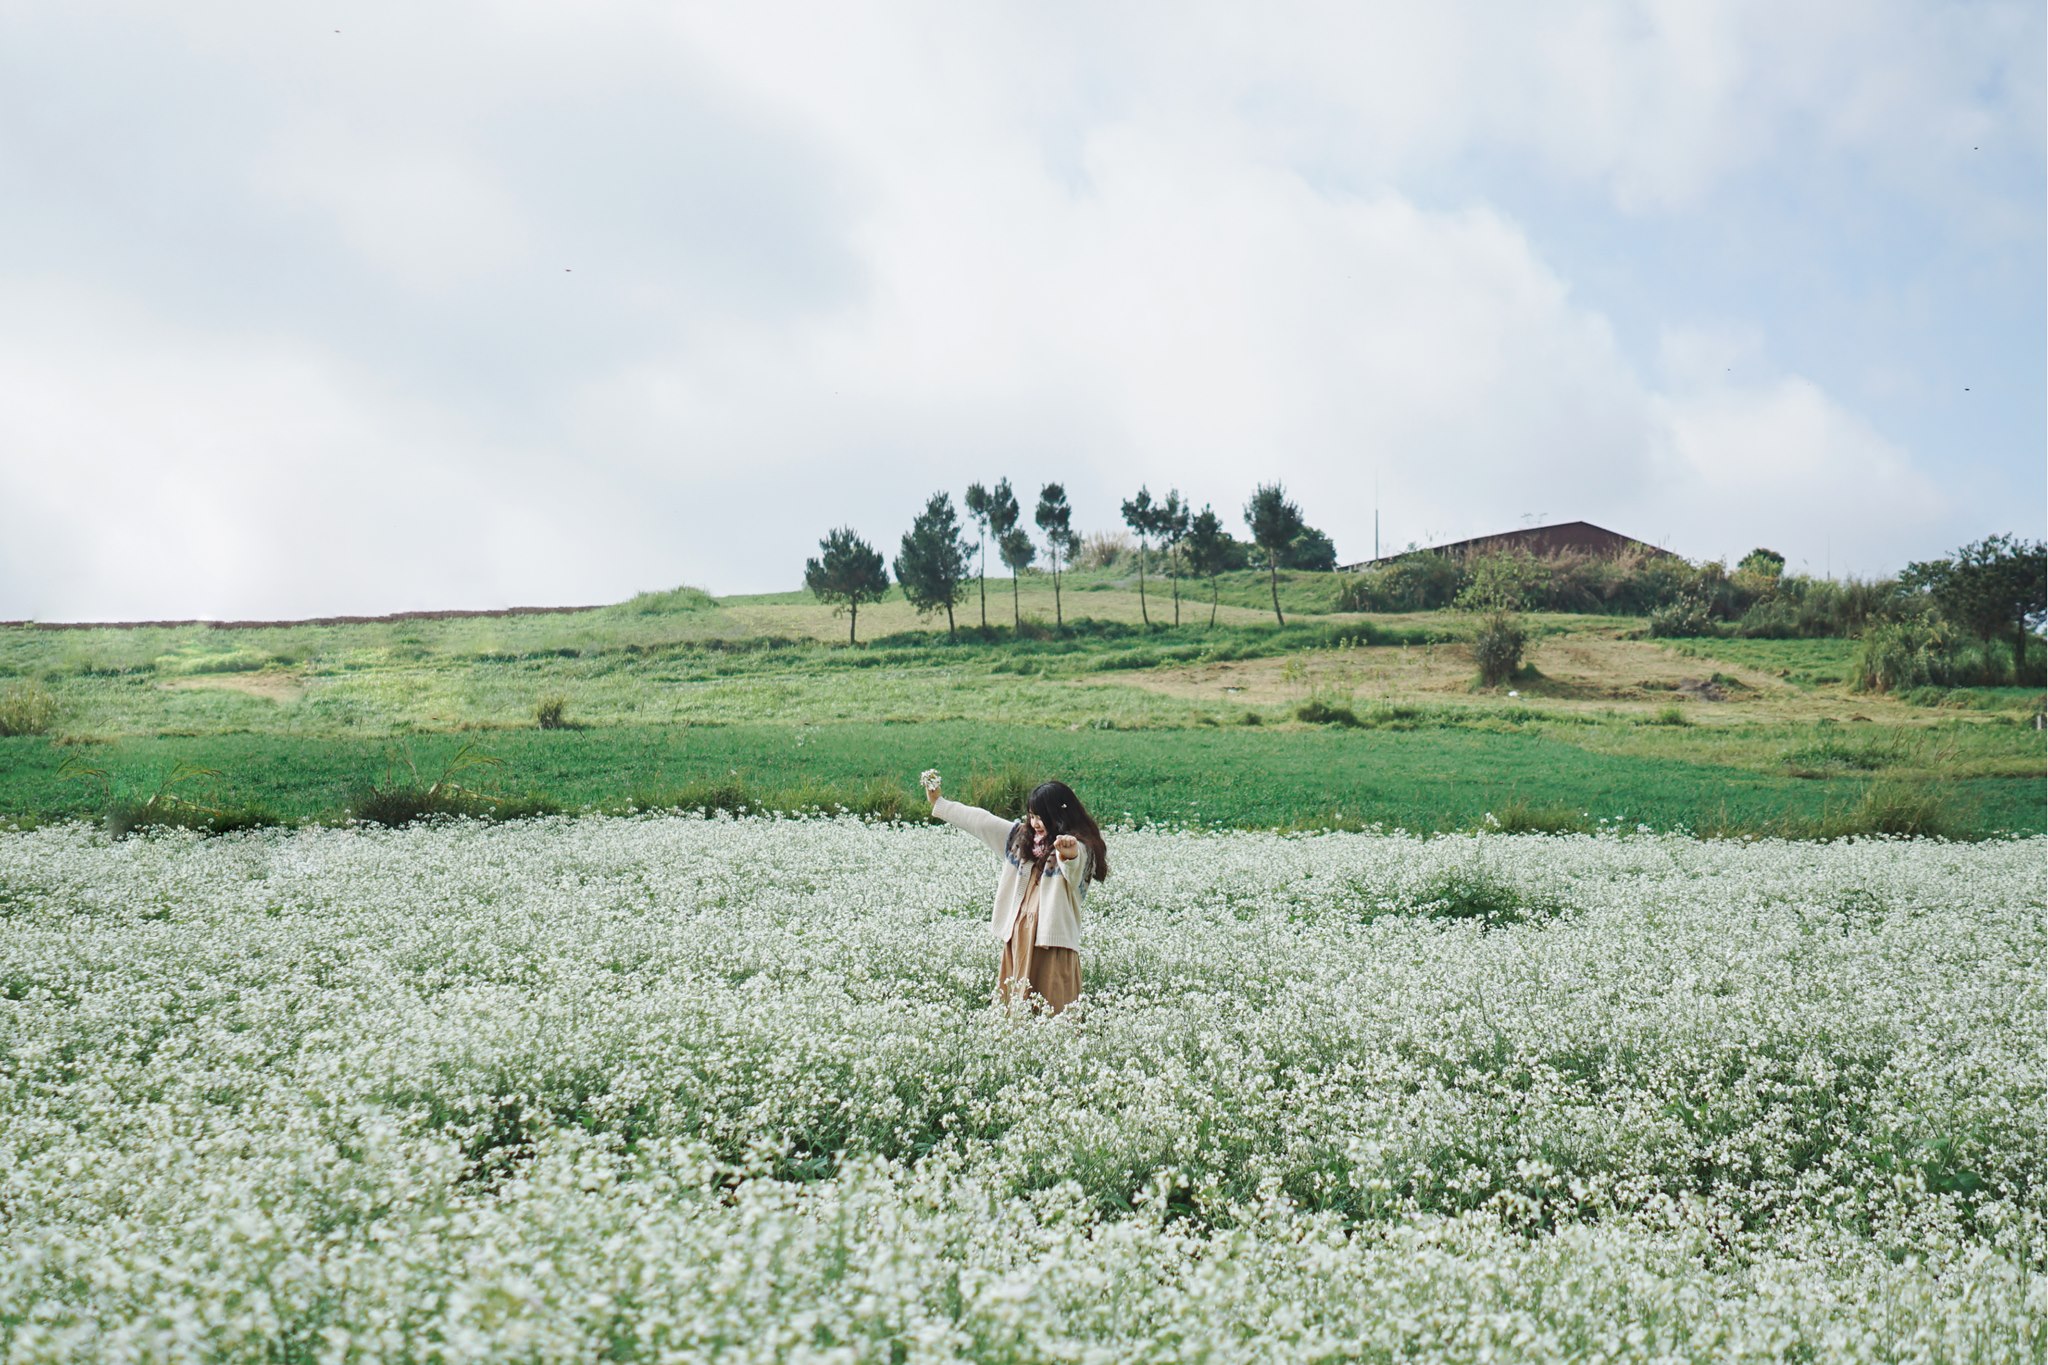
(990, 828)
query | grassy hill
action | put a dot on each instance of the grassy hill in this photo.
(1335, 720)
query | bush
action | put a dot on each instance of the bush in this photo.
(1672, 714)
(26, 709)
(675, 600)
(1420, 582)
(552, 712)
(1683, 619)
(1316, 711)
(1497, 648)
(1899, 655)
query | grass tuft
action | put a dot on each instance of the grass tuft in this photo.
(26, 709)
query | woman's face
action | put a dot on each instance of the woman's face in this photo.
(1037, 827)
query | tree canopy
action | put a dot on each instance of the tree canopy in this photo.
(847, 573)
(932, 565)
(1275, 522)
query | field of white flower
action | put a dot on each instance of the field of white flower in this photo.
(677, 1089)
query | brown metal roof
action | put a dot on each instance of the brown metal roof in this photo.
(1566, 537)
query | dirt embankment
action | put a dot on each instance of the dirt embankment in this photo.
(306, 621)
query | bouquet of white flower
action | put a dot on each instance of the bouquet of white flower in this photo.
(930, 778)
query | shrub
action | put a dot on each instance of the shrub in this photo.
(668, 603)
(1899, 655)
(26, 709)
(1497, 648)
(552, 712)
(1105, 550)
(1684, 619)
(1671, 714)
(1317, 711)
(1419, 582)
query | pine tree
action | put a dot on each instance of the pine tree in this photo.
(1056, 521)
(1017, 552)
(1274, 522)
(849, 573)
(1011, 539)
(977, 511)
(1138, 515)
(1170, 523)
(1208, 551)
(932, 567)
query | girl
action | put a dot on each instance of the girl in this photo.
(1049, 857)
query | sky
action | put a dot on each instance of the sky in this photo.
(316, 308)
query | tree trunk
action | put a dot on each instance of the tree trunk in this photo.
(1212, 601)
(853, 624)
(1142, 610)
(1274, 569)
(982, 578)
(1173, 567)
(1016, 605)
(949, 618)
(2019, 655)
(1058, 616)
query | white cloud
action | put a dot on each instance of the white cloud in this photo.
(828, 259)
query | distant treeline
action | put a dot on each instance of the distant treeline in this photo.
(1970, 619)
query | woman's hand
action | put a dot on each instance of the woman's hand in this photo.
(1067, 846)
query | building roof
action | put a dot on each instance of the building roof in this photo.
(1542, 541)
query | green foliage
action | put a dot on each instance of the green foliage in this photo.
(1516, 816)
(931, 566)
(1275, 522)
(848, 573)
(1004, 792)
(552, 712)
(1405, 767)
(1994, 586)
(1500, 583)
(1475, 892)
(1208, 548)
(26, 708)
(1672, 714)
(1907, 654)
(1417, 582)
(1687, 618)
(1761, 565)
(1497, 647)
(683, 599)
(1055, 520)
(1311, 551)
(1320, 711)
(400, 799)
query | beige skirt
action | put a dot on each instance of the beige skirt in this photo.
(1029, 972)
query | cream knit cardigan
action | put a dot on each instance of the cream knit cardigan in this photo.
(1060, 893)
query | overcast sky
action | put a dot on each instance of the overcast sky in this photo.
(362, 307)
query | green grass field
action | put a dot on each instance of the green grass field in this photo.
(1336, 720)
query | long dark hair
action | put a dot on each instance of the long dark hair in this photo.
(1061, 812)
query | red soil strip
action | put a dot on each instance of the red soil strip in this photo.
(309, 621)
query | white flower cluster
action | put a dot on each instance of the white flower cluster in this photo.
(672, 1088)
